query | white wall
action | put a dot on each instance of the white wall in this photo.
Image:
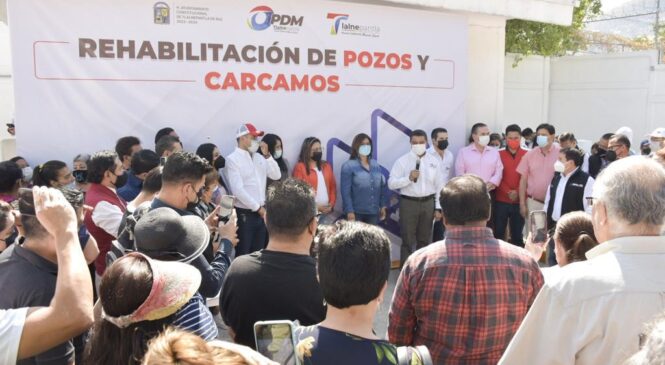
(6, 92)
(588, 95)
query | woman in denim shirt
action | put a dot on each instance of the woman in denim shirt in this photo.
(363, 184)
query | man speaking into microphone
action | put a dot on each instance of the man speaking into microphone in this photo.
(419, 178)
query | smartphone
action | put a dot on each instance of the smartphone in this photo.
(276, 341)
(538, 226)
(226, 207)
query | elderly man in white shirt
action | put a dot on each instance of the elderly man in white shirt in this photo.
(597, 311)
(246, 171)
(418, 176)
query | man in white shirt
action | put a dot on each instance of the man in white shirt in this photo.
(418, 177)
(567, 192)
(246, 170)
(597, 311)
(440, 151)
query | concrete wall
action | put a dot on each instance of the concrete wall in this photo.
(588, 95)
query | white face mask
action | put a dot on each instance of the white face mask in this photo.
(542, 141)
(254, 147)
(483, 140)
(418, 149)
(655, 146)
(27, 173)
(559, 166)
(278, 154)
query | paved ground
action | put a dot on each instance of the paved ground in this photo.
(380, 322)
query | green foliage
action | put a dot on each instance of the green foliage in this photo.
(526, 38)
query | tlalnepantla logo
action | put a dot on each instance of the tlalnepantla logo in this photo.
(263, 17)
(161, 13)
(341, 25)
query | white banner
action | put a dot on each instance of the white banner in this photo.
(89, 72)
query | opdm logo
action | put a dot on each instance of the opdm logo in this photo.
(262, 17)
(337, 20)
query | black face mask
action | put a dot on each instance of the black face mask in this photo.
(317, 156)
(602, 152)
(219, 163)
(442, 144)
(120, 180)
(81, 176)
(646, 151)
(192, 205)
(611, 156)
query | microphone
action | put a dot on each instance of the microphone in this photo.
(417, 168)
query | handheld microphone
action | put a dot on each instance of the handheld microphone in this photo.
(417, 168)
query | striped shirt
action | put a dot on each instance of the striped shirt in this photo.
(463, 297)
(195, 317)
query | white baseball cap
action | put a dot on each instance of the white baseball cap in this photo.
(248, 128)
(658, 132)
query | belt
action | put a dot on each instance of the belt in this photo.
(245, 211)
(532, 198)
(416, 199)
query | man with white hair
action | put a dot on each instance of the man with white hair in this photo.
(597, 311)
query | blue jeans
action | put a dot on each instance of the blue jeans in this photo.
(503, 213)
(252, 233)
(372, 219)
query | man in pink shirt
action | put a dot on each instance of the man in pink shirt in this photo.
(537, 170)
(479, 159)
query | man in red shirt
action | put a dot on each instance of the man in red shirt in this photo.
(464, 297)
(507, 206)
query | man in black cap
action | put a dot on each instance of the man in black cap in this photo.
(183, 180)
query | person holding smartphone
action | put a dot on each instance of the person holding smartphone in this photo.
(354, 292)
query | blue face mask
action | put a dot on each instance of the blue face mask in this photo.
(542, 141)
(365, 150)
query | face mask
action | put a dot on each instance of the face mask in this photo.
(27, 173)
(602, 152)
(81, 176)
(655, 146)
(513, 144)
(254, 147)
(611, 155)
(71, 186)
(317, 156)
(277, 155)
(192, 205)
(419, 149)
(219, 163)
(646, 151)
(365, 150)
(542, 141)
(484, 140)
(442, 144)
(559, 166)
(120, 180)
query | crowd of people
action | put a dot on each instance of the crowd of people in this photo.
(126, 256)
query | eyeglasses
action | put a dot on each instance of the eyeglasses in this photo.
(589, 200)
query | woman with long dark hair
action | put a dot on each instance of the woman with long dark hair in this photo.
(363, 184)
(312, 169)
(52, 174)
(211, 153)
(276, 148)
(139, 298)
